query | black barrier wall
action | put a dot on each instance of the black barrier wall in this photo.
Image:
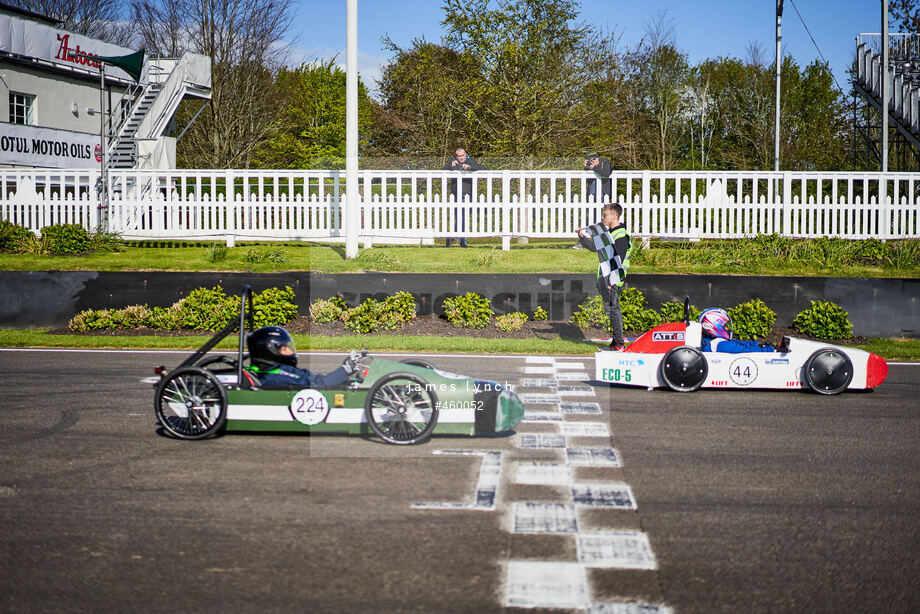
(877, 307)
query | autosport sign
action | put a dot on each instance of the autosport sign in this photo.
(46, 147)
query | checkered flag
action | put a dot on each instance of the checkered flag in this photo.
(611, 264)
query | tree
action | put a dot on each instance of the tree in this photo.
(102, 19)
(533, 64)
(311, 130)
(426, 92)
(242, 38)
(906, 13)
(660, 73)
(508, 79)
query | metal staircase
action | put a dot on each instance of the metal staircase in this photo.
(151, 105)
(123, 147)
(904, 84)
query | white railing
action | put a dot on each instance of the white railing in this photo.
(416, 206)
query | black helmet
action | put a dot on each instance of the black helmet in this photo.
(272, 345)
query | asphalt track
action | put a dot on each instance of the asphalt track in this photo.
(751, 501)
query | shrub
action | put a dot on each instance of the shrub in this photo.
(825, 320)
(636, 315)
(166, 318)
(488, 259)
(402, 303)
(273, 307)
(540, 315)
(468, 311)
(107, 242)
(325, 310)
(133, 316)
(216, 252)
(365, 318)
(871, 251)
(37, 246)
(388, 314)
(91, 319)
(208, 309)
(903, 254)
(591, 314)
(13, 236)
(510, 322)
(67, 239)
(258, 256)
(752, 320)
(673, 311)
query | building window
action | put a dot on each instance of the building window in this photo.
(22, 109)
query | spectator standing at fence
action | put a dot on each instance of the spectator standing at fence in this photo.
(601, 169)
(462, 191)
(611, 242)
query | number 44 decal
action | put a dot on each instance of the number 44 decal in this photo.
(743, 371)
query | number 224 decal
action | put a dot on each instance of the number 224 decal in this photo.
(309, 407)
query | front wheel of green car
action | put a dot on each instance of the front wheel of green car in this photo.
(191, 403)
(401, 408)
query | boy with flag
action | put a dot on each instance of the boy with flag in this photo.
(611, 242)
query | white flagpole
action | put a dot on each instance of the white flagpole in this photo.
(352, 198)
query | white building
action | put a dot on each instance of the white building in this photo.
(53, 119)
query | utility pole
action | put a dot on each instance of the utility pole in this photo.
(779, 65)
(885, 86)
(102, 216)
(352, 198)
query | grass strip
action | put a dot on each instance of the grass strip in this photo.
(377, 343)
(542, 256)
(889, 349)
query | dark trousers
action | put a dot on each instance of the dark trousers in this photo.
(611, 298)
(460, 222)
(591, 186)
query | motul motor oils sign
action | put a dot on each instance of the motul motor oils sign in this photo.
(46, 147)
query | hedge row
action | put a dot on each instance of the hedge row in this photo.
(752, 319)
(207, 309)
(56, 239)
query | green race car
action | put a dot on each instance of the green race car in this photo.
(400, 402)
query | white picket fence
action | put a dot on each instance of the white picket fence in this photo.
(417, 206)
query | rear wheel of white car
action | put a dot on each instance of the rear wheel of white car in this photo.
(828, 371)
(684, 369)
(401, 408)
(191, 403)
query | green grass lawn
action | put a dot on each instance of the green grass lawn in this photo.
(483, 256)
(889, 349)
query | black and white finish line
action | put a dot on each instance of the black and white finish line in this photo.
(565, 584)
(562, 403)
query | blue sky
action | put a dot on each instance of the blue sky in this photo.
(703, 29)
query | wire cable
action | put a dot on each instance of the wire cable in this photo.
(815, 43)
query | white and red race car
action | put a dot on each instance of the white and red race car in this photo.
(669, 356)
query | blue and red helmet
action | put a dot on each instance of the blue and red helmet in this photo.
(716, 323)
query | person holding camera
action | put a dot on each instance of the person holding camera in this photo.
(462, 191)
(601, 169)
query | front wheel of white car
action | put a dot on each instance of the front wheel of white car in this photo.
(828, 371)
(684, 369)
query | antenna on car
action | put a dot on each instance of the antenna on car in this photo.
(687, 310)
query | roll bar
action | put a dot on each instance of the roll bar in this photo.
(240, 324)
